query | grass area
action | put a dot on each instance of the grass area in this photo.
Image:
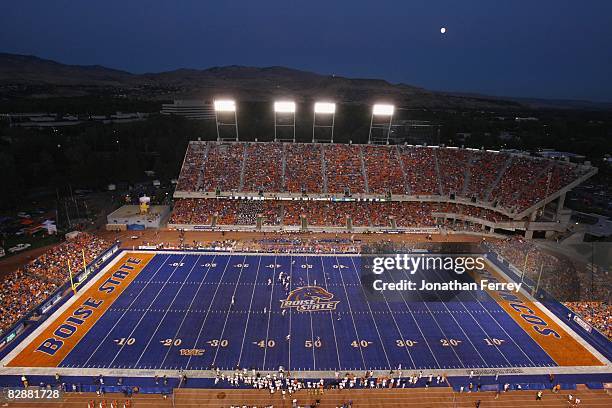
(37, 241)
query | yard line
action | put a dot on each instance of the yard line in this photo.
(128, 308)
(314, 360)
(416, 322)
(145, 313)
(188, 309)
(246, 327)
(371, 314)
(208, 311)
(503, 329)
(263, 367)
(392, 316)
(457, 323)
(331, 318)
(365, 367)
(167, 310)
(228, 311)
(478, 323)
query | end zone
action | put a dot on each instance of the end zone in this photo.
(564, 346)
(52, 342)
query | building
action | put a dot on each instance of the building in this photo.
(556, 155)
(132, 217)
(52, 120)
(197, 109)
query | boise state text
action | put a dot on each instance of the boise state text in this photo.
(87, 309)
(310, 299)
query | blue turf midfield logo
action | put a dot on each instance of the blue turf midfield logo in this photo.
(310, 299)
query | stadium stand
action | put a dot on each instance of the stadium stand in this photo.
(263, 167)
(563, 279)
(383, 170)
(27, 287)
(201, 211)
(484, 169)
(344, 170)
(453, 165)
(222, 167)
(420, 166)
(512, 182)
(303, 171)
(597, 314)
(189, 179)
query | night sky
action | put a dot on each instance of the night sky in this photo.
(532, 48)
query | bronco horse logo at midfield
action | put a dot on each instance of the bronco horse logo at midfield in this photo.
(309, 299)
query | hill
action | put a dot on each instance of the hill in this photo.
(30, 76)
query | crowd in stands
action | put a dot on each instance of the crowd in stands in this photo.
(344, 170)
(597, 314)
(319, 213)
(453, 166)
(263, 169)
(248, 211)
(552, 179)
(585, 287)
(413, 214)
(28, 286)
(472, 211)
(201, 211)
(484, 169)
(420, 167)
(223, 167)
(190, 176)
(303, 168)
(513, 182)
(301, 244)
(384, 175)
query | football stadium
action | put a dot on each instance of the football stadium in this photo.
(291, 273)
(305, 204)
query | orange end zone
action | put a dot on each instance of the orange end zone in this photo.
(54, 343)
(563, 348)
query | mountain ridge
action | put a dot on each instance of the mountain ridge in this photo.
(32, 76)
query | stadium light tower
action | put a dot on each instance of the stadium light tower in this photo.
(284, 110)
(381, 111)
(225, 108)
(325, 109)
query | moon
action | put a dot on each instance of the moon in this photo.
(443, 30)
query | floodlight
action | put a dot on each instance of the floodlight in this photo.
(222, 108)
(324, 107)
(383, 110)
(284, 107)
(328, 110)
(225, 106)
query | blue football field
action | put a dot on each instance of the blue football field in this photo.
(197, 311)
